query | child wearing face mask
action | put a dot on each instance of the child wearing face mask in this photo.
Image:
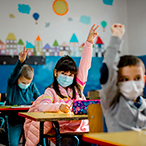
(67, 86)
(122, 80)
(20, 91)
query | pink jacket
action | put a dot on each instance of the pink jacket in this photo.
(50, 101)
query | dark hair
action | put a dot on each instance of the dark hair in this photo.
(65, 64)
(130, 60)
(27, 71)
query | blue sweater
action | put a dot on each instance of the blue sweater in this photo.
(16, 95)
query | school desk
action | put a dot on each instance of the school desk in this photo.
(6, 111)
(52, 117)
(126, 138)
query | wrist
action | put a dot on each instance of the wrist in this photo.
(117, 35)
(90, 41)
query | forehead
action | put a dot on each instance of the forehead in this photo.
(25, 80)
(131, 71)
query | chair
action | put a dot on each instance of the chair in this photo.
(3, 97)
(95, 117)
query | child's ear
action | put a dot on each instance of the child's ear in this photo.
(55, 72)
(144, 79)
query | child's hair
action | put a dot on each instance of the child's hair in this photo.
(27, 71)
(65, 64)
(130, 60)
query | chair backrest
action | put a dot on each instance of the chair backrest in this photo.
(95, 117)
(3, 97)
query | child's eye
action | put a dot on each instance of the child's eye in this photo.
(137, 78)
(124, 80)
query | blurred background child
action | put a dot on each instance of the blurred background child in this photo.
(20, 91)
(122, 80)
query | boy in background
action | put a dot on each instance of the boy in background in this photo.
(20, 91)
(122, 80)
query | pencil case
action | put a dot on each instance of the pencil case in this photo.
(80, 106)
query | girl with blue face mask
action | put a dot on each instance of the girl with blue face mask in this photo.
(67, 86)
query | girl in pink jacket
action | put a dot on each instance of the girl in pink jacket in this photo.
(67, 86)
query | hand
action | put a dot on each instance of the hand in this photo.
(118, 30)
(64, 108)
(22, 55)
(92, 34)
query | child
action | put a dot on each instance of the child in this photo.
(122, 80)
(20, 91)
(67, 86)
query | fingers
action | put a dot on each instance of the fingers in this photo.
(24, 49)
(95, 28)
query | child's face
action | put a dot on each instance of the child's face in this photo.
(129, 73)
(68, 73)
(24, 80)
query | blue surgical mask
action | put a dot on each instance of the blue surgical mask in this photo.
(65, 80)
(23, 86)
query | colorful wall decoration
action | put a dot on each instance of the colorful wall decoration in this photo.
(60, 7)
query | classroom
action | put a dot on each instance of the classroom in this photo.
(50, 29)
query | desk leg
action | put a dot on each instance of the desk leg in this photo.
(7, 128)
(41, 133)
(57, 133)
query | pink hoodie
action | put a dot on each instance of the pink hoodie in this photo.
(50, 101)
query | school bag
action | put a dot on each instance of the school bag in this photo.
(81, 106)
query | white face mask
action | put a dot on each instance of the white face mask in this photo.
(131, 89)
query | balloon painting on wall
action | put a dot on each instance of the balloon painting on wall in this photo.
(103, 24)
(60, 7)
(36, 17)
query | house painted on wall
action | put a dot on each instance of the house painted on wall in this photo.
(99, 47)
(74, 46)
(47, 51)
(39, 46)
(11, 44)
(64, 49)
(31, 49)
(2, 48)
(20, 46)
(55, 49)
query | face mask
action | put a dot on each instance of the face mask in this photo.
(23, 86)
(64, 80)
(131, 89)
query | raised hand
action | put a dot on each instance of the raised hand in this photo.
(92, 34)
(118, 30)
(22, 55)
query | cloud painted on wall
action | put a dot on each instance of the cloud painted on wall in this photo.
(22, 8)
(85, 19)
(70, 19)
(11, 16)
(47, 24)
(108, 2)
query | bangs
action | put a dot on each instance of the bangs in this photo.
(66, 64)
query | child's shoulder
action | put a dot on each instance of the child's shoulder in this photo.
(50, 90)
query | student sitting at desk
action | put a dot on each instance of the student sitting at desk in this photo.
(20, 91)
(122, 80)
(67, 86)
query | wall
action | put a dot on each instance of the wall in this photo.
(61, 29)
(136, 27)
